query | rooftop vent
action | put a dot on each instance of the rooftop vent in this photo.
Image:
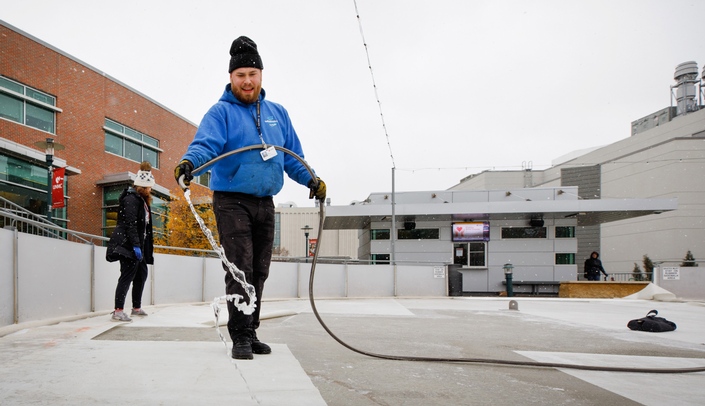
(686, 77)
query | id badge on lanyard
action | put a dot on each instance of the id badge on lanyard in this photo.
(268, 152)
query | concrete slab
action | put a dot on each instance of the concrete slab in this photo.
(174, 356)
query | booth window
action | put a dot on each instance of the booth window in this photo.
(470, 254)
(379, 259)
(523, 232)
(380, 234)
(565, 259)
(131, 144)
(418, 234)
(565, 231)
(27, 106)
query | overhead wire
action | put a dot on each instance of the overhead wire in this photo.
(374, 85)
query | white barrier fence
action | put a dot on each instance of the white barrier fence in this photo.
(45, 278)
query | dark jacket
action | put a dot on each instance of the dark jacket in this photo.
(593, 267)
(132, 229)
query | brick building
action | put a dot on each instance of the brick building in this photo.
(106, 128)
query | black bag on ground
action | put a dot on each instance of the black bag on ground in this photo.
(651, 323)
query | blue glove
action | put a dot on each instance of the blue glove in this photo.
(138, 253)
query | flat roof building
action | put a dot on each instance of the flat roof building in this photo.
(481, 231)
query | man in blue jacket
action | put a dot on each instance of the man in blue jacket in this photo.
(243, 184)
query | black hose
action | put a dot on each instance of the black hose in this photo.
(433, 359)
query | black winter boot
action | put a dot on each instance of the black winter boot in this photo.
(258, 347)
(242, 345)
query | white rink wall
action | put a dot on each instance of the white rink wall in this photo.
(44, 279)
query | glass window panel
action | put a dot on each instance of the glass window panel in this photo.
(113, 144)
(159, 213)
(150, 141)
(418, 234)
(380, 258)
(133, 134)
(565, 259)
(524, 232)
(111, 195)
(42, 97)
(277, 229)
(111, 202)
(477, 254)
(29, 186)
(133, 151)
(11, 108)
(565, 232)
(40, 118)
(8, 84)
(29, 199)
(383, 234)
(23, 173)
(203, 179)
(150, 156)
(113, 125)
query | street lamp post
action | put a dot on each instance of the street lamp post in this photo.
(49, 147)
(306, 231)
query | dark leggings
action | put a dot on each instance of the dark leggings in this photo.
(246, 229)
(135, 272)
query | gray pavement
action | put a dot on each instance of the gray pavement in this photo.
(175, 357)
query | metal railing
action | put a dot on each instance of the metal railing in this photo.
(628, 277)
(17, 217)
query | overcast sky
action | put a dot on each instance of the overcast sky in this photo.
(464, 86)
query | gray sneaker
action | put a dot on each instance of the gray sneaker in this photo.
(120, 316)
(139, 312)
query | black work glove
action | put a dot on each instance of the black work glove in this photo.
(318, 189)
(182, 174)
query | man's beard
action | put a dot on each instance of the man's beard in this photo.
(249, 98)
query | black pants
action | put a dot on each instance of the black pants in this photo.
(246, 229)
(135, 272)
(593, 275)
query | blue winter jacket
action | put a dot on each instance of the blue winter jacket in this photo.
(231, 124)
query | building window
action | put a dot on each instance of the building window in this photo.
(418, 234)
(25, 184)
(277, 231)
(111, 204)
(202, 179)
(160, 210)
(382, 234)
(379, 259)
(131, 144)
(565, 232)
(470, 254)
(565, 259)
(523, 232)
(27, 106)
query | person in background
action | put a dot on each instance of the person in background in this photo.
(132, 243)
(593, 267)
(244, 184)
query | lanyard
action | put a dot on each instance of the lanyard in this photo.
(259, 126)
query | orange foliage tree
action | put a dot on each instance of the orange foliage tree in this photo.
(181, 227)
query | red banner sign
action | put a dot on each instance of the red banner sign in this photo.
(312, 246)
(57, 188)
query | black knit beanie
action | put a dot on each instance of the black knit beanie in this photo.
(243, 53)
